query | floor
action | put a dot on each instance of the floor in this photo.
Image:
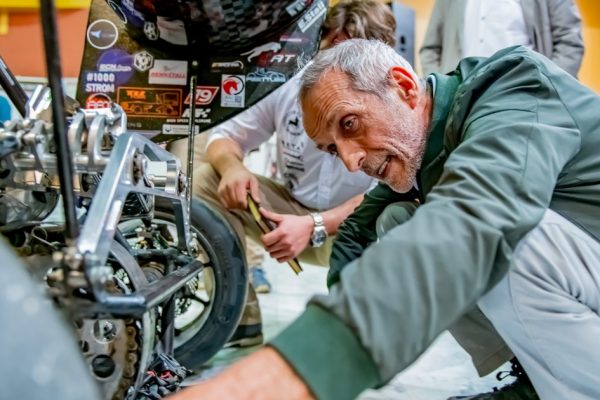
(444, 370)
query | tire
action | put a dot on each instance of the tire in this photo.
(229, 284)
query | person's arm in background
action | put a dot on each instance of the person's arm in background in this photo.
(565, 25)
(431, 50)
(358, 231)
(293, 232)
(229, 142)
(226, 157)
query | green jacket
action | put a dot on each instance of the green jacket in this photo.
(510, 136)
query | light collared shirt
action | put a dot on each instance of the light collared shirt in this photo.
(491, 25)
(313, 177)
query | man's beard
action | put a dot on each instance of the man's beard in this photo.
(405, 142)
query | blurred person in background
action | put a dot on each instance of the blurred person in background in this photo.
(478, 28)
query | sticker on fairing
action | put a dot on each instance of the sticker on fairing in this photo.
(168, 72)
(257, 51)
(150, 103)
(204, 95)
(102, 34)
(312, 16)
(233, 91)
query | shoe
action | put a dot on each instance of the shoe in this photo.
(246, 336)
(520, 389)
(259, 280)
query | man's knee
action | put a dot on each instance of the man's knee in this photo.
(549, 274)
(553, 257)
(206, 181)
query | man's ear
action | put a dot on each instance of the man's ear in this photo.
(406, 86)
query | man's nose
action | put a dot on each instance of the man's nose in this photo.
(353, 157)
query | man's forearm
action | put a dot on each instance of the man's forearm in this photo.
(224, 154)
(335, 216)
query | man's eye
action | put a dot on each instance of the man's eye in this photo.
(349, 124)
(332, 149)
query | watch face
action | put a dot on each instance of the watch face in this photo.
(318, 237)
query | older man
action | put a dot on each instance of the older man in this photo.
(504, 153)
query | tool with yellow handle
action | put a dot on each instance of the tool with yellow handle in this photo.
(265, 225)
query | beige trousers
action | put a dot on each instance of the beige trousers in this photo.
(274, 197)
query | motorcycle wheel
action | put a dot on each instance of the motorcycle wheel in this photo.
(212, 311)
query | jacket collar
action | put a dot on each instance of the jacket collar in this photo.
(443, 89)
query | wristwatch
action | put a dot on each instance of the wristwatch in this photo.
(319, 233)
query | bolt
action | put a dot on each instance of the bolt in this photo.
(194, 247)
(104, 330)
(101, 274)
(181, 183)
(138, 167)
(103, 366)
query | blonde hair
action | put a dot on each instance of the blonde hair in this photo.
(362, 19)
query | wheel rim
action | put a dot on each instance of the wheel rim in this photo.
(200, 292)
(189, 321)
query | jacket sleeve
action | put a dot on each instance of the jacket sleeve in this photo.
(424, 274)
(568, 48)
(358, 231)
(431, 49)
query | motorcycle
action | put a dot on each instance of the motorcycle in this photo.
(146, 263)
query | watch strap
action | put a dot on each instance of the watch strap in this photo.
(317, 219)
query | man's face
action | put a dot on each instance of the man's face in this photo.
(383, 138)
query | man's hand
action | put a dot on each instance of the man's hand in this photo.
(263, 375)
(234, 186)
(226, 157)
(291, 236)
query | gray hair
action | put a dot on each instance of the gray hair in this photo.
(365, 62)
